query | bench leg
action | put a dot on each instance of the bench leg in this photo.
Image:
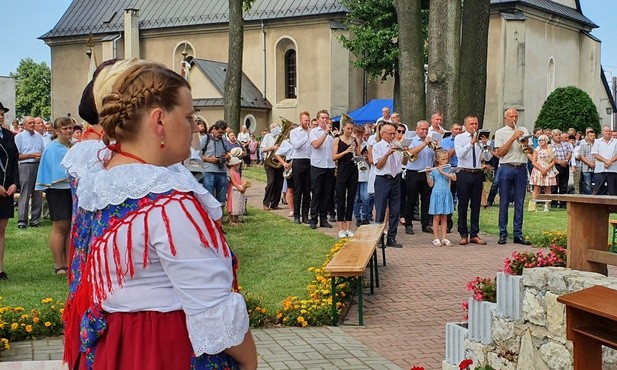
(370, 266)
(360, 307)
(382, 243)
(375, 268)
(334, 312)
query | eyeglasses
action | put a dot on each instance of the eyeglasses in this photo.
(400, 131)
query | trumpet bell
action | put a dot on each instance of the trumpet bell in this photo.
(288, 172)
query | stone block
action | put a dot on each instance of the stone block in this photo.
(609, 357)
(528, 357)
(477, 351)
(535, 278)
(500, 363)
(555, 316)
(556, 356)
(556, 282)
(534, 309)
(503, 330)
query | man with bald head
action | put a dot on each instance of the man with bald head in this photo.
(30, 146)
(39, 127)
(513, 174)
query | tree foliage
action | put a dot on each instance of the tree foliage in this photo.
(569, 107)
(33, 89)
(373, 30)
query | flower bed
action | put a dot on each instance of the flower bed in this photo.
(18, 324)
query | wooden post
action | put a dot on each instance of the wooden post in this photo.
(587, 230)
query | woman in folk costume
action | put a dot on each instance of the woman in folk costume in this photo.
(159, 270)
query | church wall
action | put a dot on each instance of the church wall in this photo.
(546, 41)
(590, 65)
(69, 67)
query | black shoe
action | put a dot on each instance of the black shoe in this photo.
(427, 229)
(332, 218)
(325, 224)
(449, 230)
(358, 222)
(409, 230)
(366, 222)
(21, 227)
(34, 225)
(502, 240)
(392, 243)
(416, 218)
(313, 225)
(519, 240)
(297, 220)
(3, 276)
(306, 220)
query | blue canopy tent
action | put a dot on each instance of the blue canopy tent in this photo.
(368, 113)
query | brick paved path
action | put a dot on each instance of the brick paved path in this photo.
(422, 288)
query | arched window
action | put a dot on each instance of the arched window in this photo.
(550, 80)
(290, 74)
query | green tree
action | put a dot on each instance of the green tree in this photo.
(569, 107)
(33, 89)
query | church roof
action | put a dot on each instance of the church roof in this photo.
(107, 16)
(250, 96)
(551, 7)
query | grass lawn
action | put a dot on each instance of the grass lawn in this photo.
(274, 256)
(256, 173)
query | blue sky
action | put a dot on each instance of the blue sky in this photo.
(25, 20)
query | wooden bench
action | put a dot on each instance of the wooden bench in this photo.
(591, 321)
(350, 262)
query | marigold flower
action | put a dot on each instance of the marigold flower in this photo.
(29, 328)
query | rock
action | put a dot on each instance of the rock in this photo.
(609, 357)
(557, 283)
(500, 363)
(556, 356)
(535, 277)
(555, 318)
(534, 309)
(527, 356)
(503, 330)
(477, 351)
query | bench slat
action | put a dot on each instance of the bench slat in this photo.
(598, 300)
(351, 259)
(604, 335)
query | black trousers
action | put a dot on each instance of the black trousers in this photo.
(388, 196)
(274, 186)
(346, 187)
(469, 191)
(322, 188)
(302, 192)
(610, 178)
(417, 185)
(562, 183)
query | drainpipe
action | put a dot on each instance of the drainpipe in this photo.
(263, 51)
(114, 43)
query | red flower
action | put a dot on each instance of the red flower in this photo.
(465, 364)
(417, 368)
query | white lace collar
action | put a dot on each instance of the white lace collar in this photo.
(97, 187)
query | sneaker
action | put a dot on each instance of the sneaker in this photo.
(446, 243)
(342, 234)
(349, 233)
(546, 208)
(437, 243)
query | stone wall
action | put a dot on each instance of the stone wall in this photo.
(538, 340)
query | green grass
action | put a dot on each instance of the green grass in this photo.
(274, 256)
(28, 263)
(255, 173)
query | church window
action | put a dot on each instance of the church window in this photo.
(290, 74)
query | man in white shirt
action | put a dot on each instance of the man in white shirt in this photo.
(387, 183)
(322, 170)
(512, 174)
(385, 116)
(605, 153)
(436, 121)
(39, 128)
(30, 146)
(301, 173)
(274, 186)
(469, 181)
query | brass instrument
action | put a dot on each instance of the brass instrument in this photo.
(285, 129)
(524, 143)
(288, 171)
(406, 155)
(434, 145)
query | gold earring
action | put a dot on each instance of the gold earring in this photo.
(162, 146)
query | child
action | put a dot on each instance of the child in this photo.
(441, 198)
(235, 191)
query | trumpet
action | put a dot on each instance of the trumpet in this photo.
(524, 143)
(406, 155)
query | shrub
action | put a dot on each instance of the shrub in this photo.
(569, 107)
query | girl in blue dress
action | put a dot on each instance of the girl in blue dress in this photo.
(441, 198)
